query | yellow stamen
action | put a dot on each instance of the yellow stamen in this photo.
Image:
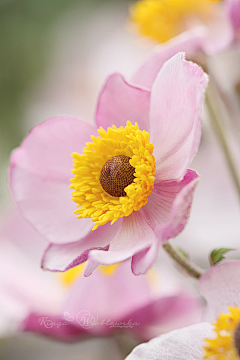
(223, 346)
(93, 201)
(109, 270)
(163, 19)
(70, 276)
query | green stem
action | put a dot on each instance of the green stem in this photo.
(125, 343)
(191, 269)
(217, 123)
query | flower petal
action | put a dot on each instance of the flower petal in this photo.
(175, 116)
(232, 7)
(39, 178)
(189, 41)
(169, 205)
(54, 326)
(219, 33)
(62, 257)
(134, 236)
(185, 343)
(220, 287)
(117, 294)
(165, 314)
(120, 101)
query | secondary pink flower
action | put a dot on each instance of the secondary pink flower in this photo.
(56, 305)
(24, 287)
(196, 42)
(41, 169)
(107, 303)
(233, 12)
(221, 288)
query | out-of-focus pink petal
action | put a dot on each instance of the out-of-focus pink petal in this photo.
(233, 12)
(61, 257)
(53, 326)
(135, 235)
(189, 42)
(120, 101)
(113, 297)
(165, 314)
(220, 286)
(219, 34)
(39, 178)
(186, 343)
(24, 286)
(175, 116)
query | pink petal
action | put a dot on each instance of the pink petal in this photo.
(117, 294)
(189, 41)
(134, 236)
(165, 314)
(233, 11)
(39, 178)
(220, 287)
(53, 326)
(175, 116)
(24, 286)
(143, 260)
(219, 33)
(61, 257)
(169, 205)
(186, 343)
(120, 101)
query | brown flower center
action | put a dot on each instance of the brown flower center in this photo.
(237, 339)
(116, 174)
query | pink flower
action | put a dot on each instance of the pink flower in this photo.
(233, 13)
(24, 287)
(220, 286)
(41, 169)
(33, 300)
(196, 43)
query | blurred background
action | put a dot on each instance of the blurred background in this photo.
(55, 56)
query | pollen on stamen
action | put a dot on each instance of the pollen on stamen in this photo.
(162, 20)
(226, 344)
(115, 174)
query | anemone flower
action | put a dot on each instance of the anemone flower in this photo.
(221, 340)
(131, 183)
(69, 306)
(216, 22)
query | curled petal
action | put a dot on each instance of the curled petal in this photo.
(134, 236)
(175, 116)
(189, 42)
(120, 101)
(169, 206)
(186, 343)
(220, 287)
(40, 177)
(62, 257)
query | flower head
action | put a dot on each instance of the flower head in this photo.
(162, 20)
(121, 175)
(133, 173)
(218, 341)
(226, 344)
